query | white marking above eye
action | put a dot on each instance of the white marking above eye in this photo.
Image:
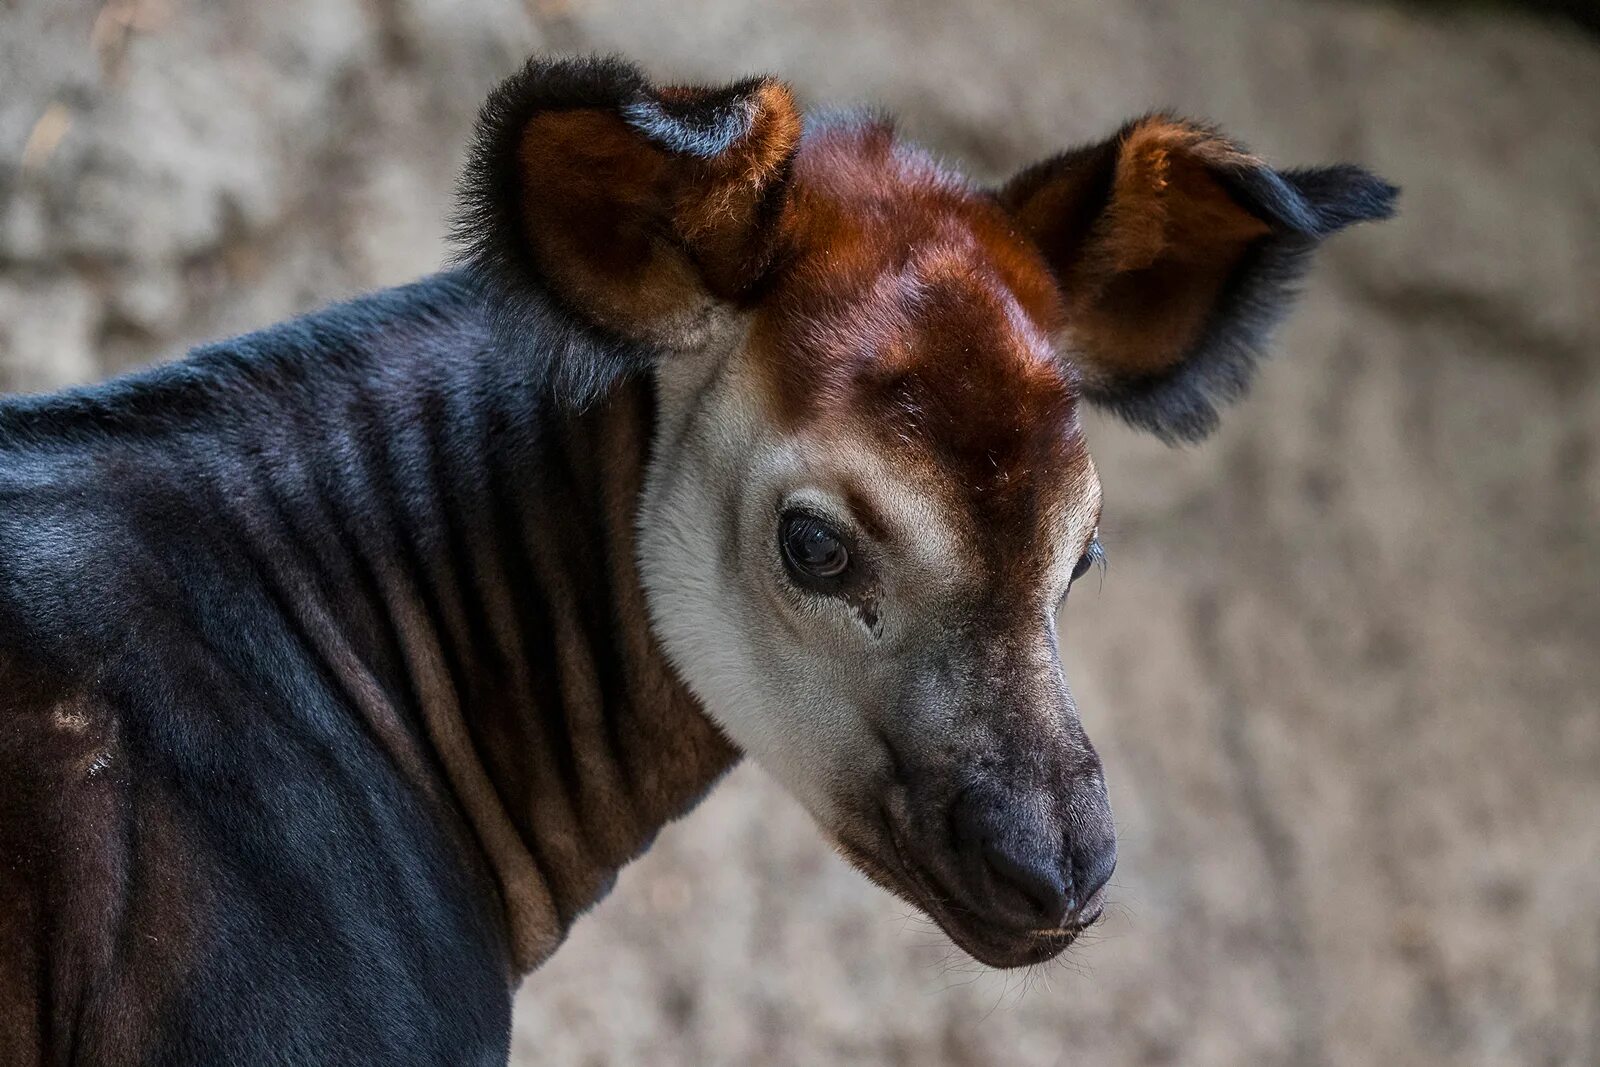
(918, 525)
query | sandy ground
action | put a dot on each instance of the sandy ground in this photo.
(1345, 667)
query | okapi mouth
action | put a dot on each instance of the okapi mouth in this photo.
(890, 861)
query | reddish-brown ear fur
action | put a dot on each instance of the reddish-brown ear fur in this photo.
(1141, 279)
(1175, 249)
(638, 235)
(591, 192)
(1169, 240)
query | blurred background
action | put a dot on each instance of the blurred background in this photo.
(1345, 667)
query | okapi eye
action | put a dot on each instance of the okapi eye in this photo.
(814, 552)
(1092, 555)
(1081, 568)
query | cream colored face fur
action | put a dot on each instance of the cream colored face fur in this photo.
(804, 683)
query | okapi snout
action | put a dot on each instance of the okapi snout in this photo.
(1034, 869)
(1006, 837)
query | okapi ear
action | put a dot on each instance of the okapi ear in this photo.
(1176, 252)
(636, 209)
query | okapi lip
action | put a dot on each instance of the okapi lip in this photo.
(992, 945)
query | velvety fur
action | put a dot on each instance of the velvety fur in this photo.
(343, 664)
(1171, 224)
(591, 191)
(326, 699)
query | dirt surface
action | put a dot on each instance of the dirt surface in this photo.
(1345, 667)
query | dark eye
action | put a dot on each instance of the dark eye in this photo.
(814, 552)
(1081, 567)
(1092, 555)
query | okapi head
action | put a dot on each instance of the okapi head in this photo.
(870, 492)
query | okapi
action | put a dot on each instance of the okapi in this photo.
(343, 664)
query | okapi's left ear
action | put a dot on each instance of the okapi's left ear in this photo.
(1176, 252)
(638, 209)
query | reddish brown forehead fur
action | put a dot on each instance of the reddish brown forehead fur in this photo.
(909, 304)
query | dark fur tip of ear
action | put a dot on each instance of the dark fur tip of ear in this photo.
(1344, 194)
(703, 124)
(1313, 202)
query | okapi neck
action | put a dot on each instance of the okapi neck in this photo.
(374, 543)
(604, 745)
(459, 543)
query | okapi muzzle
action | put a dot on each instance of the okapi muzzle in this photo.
(343, 664)
(1002, 830)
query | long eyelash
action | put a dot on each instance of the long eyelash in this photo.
(1097, 558)
(1097, 555)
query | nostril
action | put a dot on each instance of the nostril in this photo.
(1013, 862)
(1037, 881)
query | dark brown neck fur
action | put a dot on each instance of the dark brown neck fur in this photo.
(568, 767)
(446, 557)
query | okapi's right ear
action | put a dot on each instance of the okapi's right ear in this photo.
(638, 209)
